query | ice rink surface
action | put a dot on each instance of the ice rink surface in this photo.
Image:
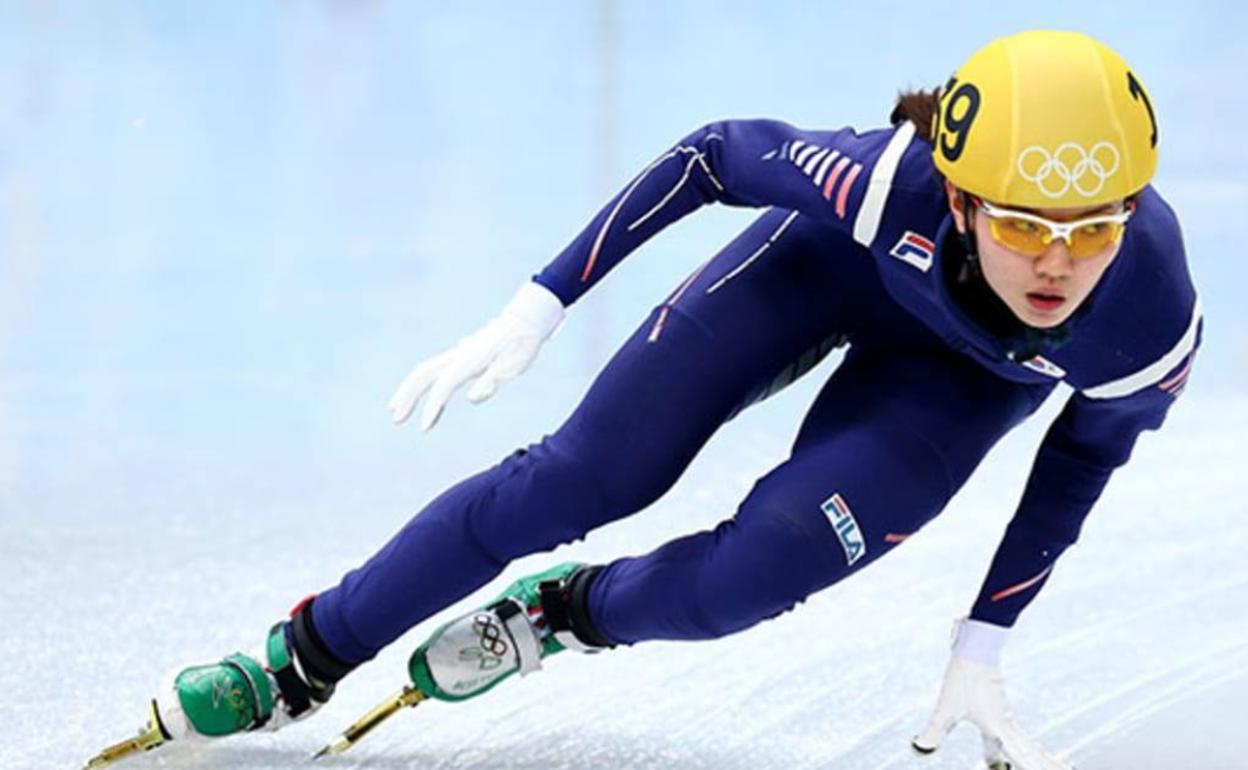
(1136, 656)
(228, 230)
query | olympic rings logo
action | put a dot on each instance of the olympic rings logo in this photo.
(490, 635)
(1070, 166)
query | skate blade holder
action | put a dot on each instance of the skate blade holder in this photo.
(408, 697)
(152, 735)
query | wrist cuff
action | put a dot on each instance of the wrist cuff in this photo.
(537, 307)
(979, 641)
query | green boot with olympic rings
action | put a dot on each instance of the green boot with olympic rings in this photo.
(535, 617)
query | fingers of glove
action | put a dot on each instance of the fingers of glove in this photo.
(434, 404)
(414, 386)
(464, 367)
(937, 728)
(484, 387)
(1024, 753)
(994, 758)
(508, 364)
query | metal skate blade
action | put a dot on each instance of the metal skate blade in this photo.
(152, 735)
(409, 696)
(337, 747)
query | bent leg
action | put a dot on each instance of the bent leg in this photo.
(876, 459)
(718, 341)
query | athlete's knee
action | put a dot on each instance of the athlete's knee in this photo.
(554, 492)
(629, 458)
(770, 559)
(784, 510)
(534, 500)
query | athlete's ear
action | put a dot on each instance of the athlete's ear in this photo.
(955, 206)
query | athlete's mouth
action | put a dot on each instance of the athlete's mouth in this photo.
(1045, 301)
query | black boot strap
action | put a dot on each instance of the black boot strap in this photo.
(295, 692)
(565, 606)
(323, 670)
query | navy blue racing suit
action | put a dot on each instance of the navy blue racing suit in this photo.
(851, 249)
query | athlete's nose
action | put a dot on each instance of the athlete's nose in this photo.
(1056, 261)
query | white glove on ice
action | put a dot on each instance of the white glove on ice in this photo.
(495, 353)
(974, 691)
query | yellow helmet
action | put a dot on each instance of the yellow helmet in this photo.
(1046, 119)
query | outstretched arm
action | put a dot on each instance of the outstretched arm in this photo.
(757, 163)
(1094, 434)
(1091, 438)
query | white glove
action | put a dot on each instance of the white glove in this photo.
(974, 691)
(495, 353)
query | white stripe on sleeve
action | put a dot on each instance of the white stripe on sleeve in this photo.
(806, 152)
(809, 168)
(1156, 371)
(823, 167)
(867, 223)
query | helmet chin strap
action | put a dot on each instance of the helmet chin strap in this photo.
(970, 269)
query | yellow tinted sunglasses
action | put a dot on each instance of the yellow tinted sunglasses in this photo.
(1031, 235)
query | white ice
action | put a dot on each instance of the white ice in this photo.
(1135, 656)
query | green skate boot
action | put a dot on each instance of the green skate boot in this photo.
(289, 680)
(534, 618)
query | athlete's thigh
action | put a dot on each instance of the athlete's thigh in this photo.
(927, 393)
(890, 439)
(888, 442)
(721, 339)
(823, 514)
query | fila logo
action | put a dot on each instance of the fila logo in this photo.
(914, 250)
(846, 527)
(1045, 366)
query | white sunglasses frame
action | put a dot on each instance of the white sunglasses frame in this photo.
(1061, 230)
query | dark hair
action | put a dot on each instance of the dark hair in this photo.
(918, 107)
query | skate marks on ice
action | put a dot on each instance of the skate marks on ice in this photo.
(1187, 685)
(1122, 635)
(601, 743)
(1157, 626)
(1204, 730)
(1097, 724)
(1116, 714)
(248, 751)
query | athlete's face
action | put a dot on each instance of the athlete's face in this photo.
(1042, 291)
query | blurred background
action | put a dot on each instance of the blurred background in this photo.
(228, 229)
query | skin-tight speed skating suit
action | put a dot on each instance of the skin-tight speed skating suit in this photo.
(855, 246)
